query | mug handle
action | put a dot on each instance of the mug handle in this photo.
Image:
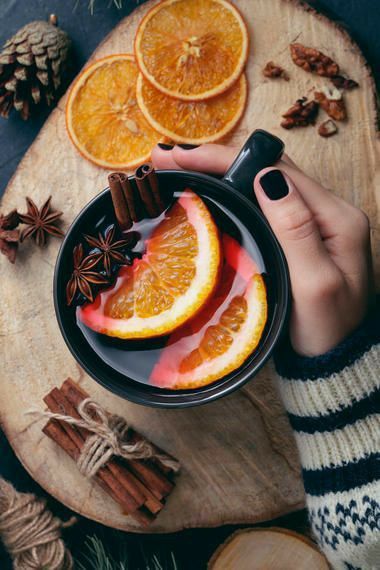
(260, 150)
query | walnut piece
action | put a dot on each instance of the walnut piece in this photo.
(301, 114)
(327, 128)
(331, 101)
(273, 71)
(311, 59)
(342, 82)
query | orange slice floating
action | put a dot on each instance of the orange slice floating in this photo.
(103, 118)
(192, 49)
(196, 122)
(222, 336)
(172, 281)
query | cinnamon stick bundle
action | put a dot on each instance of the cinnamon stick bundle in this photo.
(132, 204)
(140, 486)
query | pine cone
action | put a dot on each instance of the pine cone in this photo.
(33, 67)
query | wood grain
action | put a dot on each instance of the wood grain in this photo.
(267, 548)
(239, 459)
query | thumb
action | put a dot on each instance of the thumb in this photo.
(292, 222)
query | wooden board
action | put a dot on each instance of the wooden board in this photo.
(268, 548)
(239, 459)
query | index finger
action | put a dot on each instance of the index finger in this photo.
(208, 158)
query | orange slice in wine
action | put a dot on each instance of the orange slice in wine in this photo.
(172, 281)
(103, 118)
(192, 49)
(197, 122)
(222, 336)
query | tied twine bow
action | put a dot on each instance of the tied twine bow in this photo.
(30, 532)
(110, 437)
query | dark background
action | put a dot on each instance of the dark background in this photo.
(361, 18)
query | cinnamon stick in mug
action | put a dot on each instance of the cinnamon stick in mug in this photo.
(119, 201)
(152, 179)
(145, 190)
(130, 196)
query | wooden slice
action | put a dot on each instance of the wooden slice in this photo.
(239, 458)
(268, 549)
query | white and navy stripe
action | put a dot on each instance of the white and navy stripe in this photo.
(333, 404)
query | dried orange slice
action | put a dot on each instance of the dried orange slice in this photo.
(172, 281)
(103, 118)
(223, 335)
(195, 122)
(192, 49)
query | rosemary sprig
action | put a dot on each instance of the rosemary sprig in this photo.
(117, 3)
(97, 558)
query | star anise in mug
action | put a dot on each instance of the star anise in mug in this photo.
(110, 250)
(83, 277)
(41, 222)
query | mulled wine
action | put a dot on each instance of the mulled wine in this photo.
(221, 334)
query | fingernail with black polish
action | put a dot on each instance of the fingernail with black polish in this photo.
(274, 185)
(188, 146)
(164, 146)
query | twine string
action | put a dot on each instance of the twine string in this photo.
(109, 437)
(30, 532)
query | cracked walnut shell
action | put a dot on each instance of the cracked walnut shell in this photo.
(301, 114)
(273, 71)
(311, 59)
(332, 102)
(327, 128)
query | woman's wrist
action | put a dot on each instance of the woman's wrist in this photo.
(290, 364)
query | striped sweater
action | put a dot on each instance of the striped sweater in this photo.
(333, 403)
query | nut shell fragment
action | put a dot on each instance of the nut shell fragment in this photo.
(274, 71)
(301, 114)
(327, 128)
(332, 102)
(342, 82)
(313, 60)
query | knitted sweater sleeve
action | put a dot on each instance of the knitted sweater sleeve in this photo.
(333, 403)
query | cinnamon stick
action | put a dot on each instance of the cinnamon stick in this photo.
(55, 431)
(153, 479)
(119, 202)
(152, 178)
(55, 406)
(71, 388)
(146, 192)
(151, 502)
(129, 195)
(135, 436)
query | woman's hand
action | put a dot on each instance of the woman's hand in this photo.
(326, 242)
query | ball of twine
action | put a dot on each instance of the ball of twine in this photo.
(30, 532)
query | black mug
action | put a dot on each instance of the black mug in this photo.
(235, 192)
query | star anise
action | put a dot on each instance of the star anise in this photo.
(9, 236)
(110, 250)
(40, 222)
(82, 277)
